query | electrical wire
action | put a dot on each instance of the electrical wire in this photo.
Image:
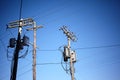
(24, 55)
(3, 44)
(48, 63)
(58, 17)
(105, 46)
(11, 33)
(52, 10)
(2, 31)
(48, 50)
(82, 48)
(56, 63)
(24, 72)
(20, 13)
(75, 49)
(66, 69)
(8, 56)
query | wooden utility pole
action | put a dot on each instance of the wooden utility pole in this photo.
(34, 48)
(19, 24)
(15, 58)
(71, 61)
(68, 53)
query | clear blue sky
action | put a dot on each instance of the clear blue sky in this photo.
(95, 22)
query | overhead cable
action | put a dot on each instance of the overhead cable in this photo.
(105, 46)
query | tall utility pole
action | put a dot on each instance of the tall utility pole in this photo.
(68, 53)
(34, 48)
(19, 24)
(71, 61)
(16, 54)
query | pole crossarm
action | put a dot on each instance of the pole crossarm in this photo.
(28, 29)
(68, 33)
(22, 22)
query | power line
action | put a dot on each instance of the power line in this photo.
(47, 50)
(58, 17)
(82, 48)
(3, 44)
(52, 10)
(48, 63)
(24, 72)
(2, 31)
(21, 74)
(11, 33)
(20, 13)
(106, 46)
(54, 63)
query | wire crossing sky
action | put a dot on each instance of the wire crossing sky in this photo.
(96, 24)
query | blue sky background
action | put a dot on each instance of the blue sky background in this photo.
(96, 23)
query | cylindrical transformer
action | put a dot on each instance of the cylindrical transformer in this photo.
(66, 53)
(12, 42)
(25, 40)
